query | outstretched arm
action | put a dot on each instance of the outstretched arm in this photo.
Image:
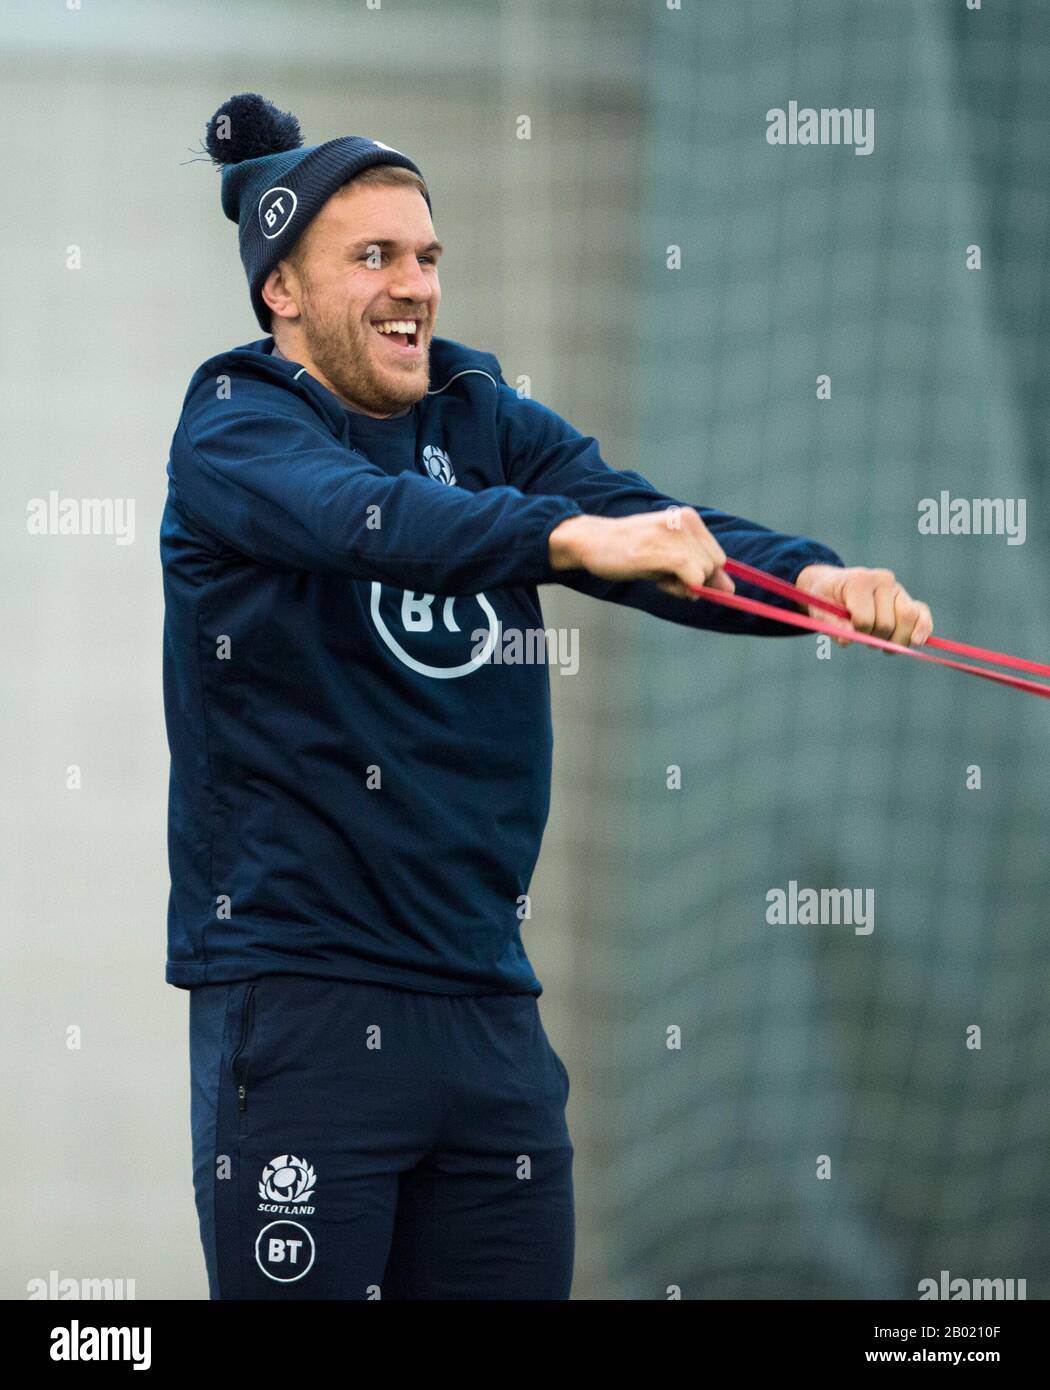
(637, 546)
(544, 454)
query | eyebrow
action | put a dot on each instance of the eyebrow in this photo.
(386, 244)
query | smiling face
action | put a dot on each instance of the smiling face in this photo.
(366, 264)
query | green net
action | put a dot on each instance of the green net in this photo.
(800, 1041)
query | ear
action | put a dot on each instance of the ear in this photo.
(282, 290)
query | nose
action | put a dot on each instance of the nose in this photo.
(409, 282)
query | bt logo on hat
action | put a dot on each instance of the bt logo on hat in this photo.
(276, 207)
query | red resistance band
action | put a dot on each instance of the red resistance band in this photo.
(738, 570)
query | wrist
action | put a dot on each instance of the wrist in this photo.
(566, 543)
(810, 577)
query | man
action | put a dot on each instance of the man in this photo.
(358, 792)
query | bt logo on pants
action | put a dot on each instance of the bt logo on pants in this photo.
(284, 1251)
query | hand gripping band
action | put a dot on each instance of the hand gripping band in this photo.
(738, 570)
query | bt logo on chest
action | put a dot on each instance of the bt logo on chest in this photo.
(431, 620)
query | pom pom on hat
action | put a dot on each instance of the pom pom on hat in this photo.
(247, 127)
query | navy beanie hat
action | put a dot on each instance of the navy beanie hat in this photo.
(273, 185)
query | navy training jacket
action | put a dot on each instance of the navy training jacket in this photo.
(356, 789)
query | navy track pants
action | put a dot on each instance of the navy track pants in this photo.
(357, 1141)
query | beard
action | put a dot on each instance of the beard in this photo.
(344, 350)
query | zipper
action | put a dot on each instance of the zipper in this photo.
(247, 1025)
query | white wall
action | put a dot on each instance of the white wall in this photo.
(100, 108)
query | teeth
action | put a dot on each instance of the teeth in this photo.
(396, 326)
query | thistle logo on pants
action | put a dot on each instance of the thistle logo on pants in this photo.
(287, 1184)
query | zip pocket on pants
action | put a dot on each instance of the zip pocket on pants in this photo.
(242, 1057)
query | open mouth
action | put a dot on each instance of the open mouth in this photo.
(406, 334)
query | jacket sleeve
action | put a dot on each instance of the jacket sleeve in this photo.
(262, 474)
(544, 454)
